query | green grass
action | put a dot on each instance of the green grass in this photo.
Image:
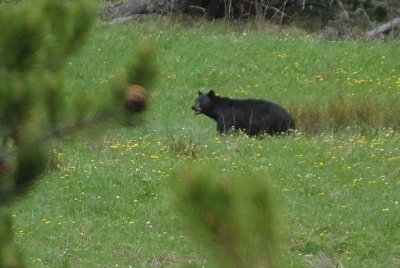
(105, 202)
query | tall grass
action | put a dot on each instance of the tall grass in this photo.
(364, 114)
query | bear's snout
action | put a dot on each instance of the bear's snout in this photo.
(196, 108)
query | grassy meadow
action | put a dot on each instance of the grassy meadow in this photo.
(105, 200)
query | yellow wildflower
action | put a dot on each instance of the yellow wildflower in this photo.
(115, 146)
(319, 77)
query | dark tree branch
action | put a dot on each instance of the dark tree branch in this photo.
(267, 7)
(344, 13)
(64, 130)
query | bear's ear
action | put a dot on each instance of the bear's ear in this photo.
(211, 93)
(200, 93)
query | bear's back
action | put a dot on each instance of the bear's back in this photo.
(253, 106)
(255, 116)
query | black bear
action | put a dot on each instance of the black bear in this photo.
(252, 116)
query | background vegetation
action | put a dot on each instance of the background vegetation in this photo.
(105, 200)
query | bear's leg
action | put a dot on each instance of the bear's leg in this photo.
(224, 124)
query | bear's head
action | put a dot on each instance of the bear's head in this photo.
(204, 102)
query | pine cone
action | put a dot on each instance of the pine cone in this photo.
(135, 99)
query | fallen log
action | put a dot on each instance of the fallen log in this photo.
(135, 7)
(384, 28)
(212, 9)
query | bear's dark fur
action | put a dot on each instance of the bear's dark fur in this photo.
(252, 116)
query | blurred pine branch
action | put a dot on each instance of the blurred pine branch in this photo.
(34, 46)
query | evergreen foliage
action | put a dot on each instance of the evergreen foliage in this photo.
(34, 46)
(234, 218)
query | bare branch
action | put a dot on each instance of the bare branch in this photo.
(267, 7)
(62, 131)
(344, 13)
(197, 8)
